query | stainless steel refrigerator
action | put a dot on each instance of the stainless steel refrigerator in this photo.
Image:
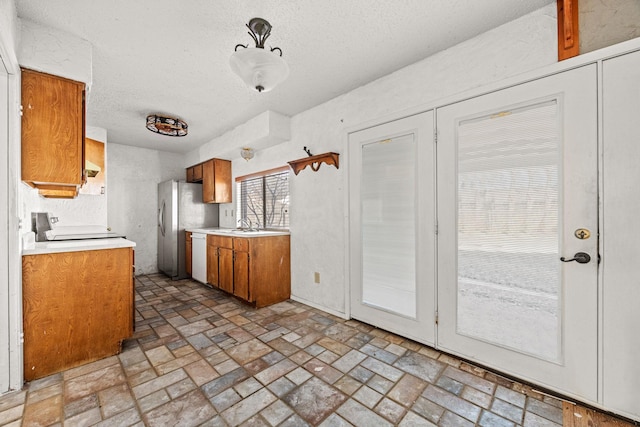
(180, 207)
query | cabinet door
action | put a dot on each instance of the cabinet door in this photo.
(216, 181)
(188, 254)
(197, 172)
(190, 174)
(225, 264)
(212, 265)
(52, 129)
(241, 275)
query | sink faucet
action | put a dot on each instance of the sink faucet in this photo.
(245, 221)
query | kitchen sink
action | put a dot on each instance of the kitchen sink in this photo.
(241, 232)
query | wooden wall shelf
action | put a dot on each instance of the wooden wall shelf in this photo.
(315, 162)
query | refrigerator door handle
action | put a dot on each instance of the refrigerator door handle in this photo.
(161, 218)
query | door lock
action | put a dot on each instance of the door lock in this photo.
(580, 258)
(582, 233)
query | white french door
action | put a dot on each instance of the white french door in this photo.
(392, 188)
(5, 318)
(517, 191)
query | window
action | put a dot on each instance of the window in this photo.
(263, 199)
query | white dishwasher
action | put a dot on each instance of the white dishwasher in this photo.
(199, 257)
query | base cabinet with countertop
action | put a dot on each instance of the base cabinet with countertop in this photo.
(78, 307)
(254, 269)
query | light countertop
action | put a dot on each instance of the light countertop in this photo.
(78, 245)
(234, 232)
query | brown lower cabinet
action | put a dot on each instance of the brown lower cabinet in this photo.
(77, 308)
(188, 259)
(254, 269)
(220, 262)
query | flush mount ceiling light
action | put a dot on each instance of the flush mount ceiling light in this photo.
(247, 153)
(260, 69)
(169, 126)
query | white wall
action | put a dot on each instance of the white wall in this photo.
(132, 184)
(604, 23)
(55, 52)
(319, 214)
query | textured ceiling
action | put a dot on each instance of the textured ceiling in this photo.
(173, 56)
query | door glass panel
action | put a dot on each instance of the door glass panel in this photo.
(389, 226)
(509, 285)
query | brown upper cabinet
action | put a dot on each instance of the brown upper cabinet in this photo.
(53, 120)
(215, 176)
(216, 181)
(194, 173)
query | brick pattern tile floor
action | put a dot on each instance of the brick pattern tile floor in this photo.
(201, 358)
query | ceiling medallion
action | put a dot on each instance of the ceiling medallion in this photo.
(166, 125)
(261, 70)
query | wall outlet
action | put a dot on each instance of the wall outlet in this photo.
(316, 277)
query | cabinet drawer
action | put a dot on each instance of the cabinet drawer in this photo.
(220, 241)
(241, 244)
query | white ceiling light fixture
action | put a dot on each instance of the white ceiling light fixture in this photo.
(247, 153)
(261, 70)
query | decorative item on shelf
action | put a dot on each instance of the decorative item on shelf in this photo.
(247, 153)
(259, 69)
(315, 161)
(164, 125)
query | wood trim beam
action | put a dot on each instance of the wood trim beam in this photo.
(568, 29)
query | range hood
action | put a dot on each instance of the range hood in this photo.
(91, 169)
